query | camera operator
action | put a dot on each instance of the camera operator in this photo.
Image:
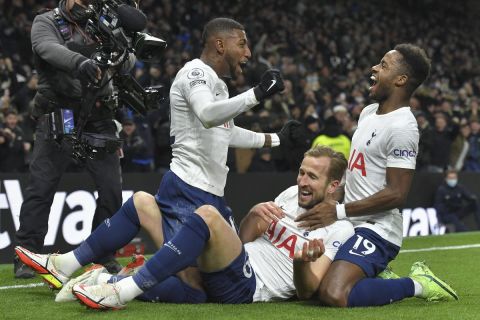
(62, 54)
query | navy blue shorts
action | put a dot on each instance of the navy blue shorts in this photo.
(177, 200)
(368, 250)
(234, 284)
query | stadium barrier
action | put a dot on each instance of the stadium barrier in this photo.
(74, 204)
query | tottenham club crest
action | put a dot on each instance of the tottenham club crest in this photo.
(374, 134)
(195, 73)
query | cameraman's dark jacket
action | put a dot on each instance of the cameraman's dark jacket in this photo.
(57, 62)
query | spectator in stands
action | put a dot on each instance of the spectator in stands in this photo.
(312, 127)
(137, 154)
(425, 142)
(472, 163)
(454, 202)
(327, 66)
(460, 147)
(8, 81)
(333, 137)
(262, 161)
(441, 143)
(13, 148)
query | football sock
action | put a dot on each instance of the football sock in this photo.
(173, 290)
(176, 254)
(128, 289)
(112, 234)
(66, 263)
(418, 289)
(378, 292)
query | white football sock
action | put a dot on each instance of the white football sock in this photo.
(418, 288)
(128, 289)
(66, 263)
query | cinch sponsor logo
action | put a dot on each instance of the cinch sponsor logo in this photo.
(404, 153)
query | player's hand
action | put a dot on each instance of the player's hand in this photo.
(292, 134)
(89, 71)
(311, 251)
(321, 215)
(270, 84)
(267, 211)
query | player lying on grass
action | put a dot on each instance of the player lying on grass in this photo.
(260, 270)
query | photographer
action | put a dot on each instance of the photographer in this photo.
(63, 58)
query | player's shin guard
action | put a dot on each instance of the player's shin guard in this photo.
(175, 255)
(378, 292)
(112, 234)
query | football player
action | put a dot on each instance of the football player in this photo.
(378, 178)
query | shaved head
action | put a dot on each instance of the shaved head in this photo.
(220, 25)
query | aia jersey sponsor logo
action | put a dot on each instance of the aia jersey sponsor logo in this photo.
(357, 161)
(283, 238)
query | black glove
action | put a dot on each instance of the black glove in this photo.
(292, 134)
(270, 84)
(87, 70)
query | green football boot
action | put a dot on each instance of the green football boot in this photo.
(434, 289)
(388, 274)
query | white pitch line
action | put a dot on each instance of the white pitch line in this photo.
(467, 246)
(22, 286)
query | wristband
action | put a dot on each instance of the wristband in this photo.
(341, 213)
(275, 140)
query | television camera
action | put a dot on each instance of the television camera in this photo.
(117, 27)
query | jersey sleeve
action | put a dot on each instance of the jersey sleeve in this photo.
(197, 80)
(338, 234)
(402, 146)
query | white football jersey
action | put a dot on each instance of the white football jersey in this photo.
(380, 141)
(199, 154)
(271, 256)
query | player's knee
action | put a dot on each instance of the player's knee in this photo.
(333, 295)
(142, 199)
(145, 204)
(209, 214)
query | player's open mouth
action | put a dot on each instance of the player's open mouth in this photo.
(305, 195)
(242, 65)
(373, 81)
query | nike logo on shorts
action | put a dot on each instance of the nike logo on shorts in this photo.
(354, 253)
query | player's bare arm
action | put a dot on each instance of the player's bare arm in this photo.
(258, 219)
(392, 196)
(309, 267)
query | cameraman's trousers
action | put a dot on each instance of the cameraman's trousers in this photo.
(48, 164)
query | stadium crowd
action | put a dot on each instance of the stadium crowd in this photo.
(324, 53)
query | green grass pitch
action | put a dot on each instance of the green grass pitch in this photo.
(459, 267)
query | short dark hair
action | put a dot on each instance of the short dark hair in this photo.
(417, 64)
(218, 25)
(338, 162)
(11, 111)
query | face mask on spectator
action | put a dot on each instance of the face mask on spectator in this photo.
(451, 182)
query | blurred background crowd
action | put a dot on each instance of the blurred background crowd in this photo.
(324, 49)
